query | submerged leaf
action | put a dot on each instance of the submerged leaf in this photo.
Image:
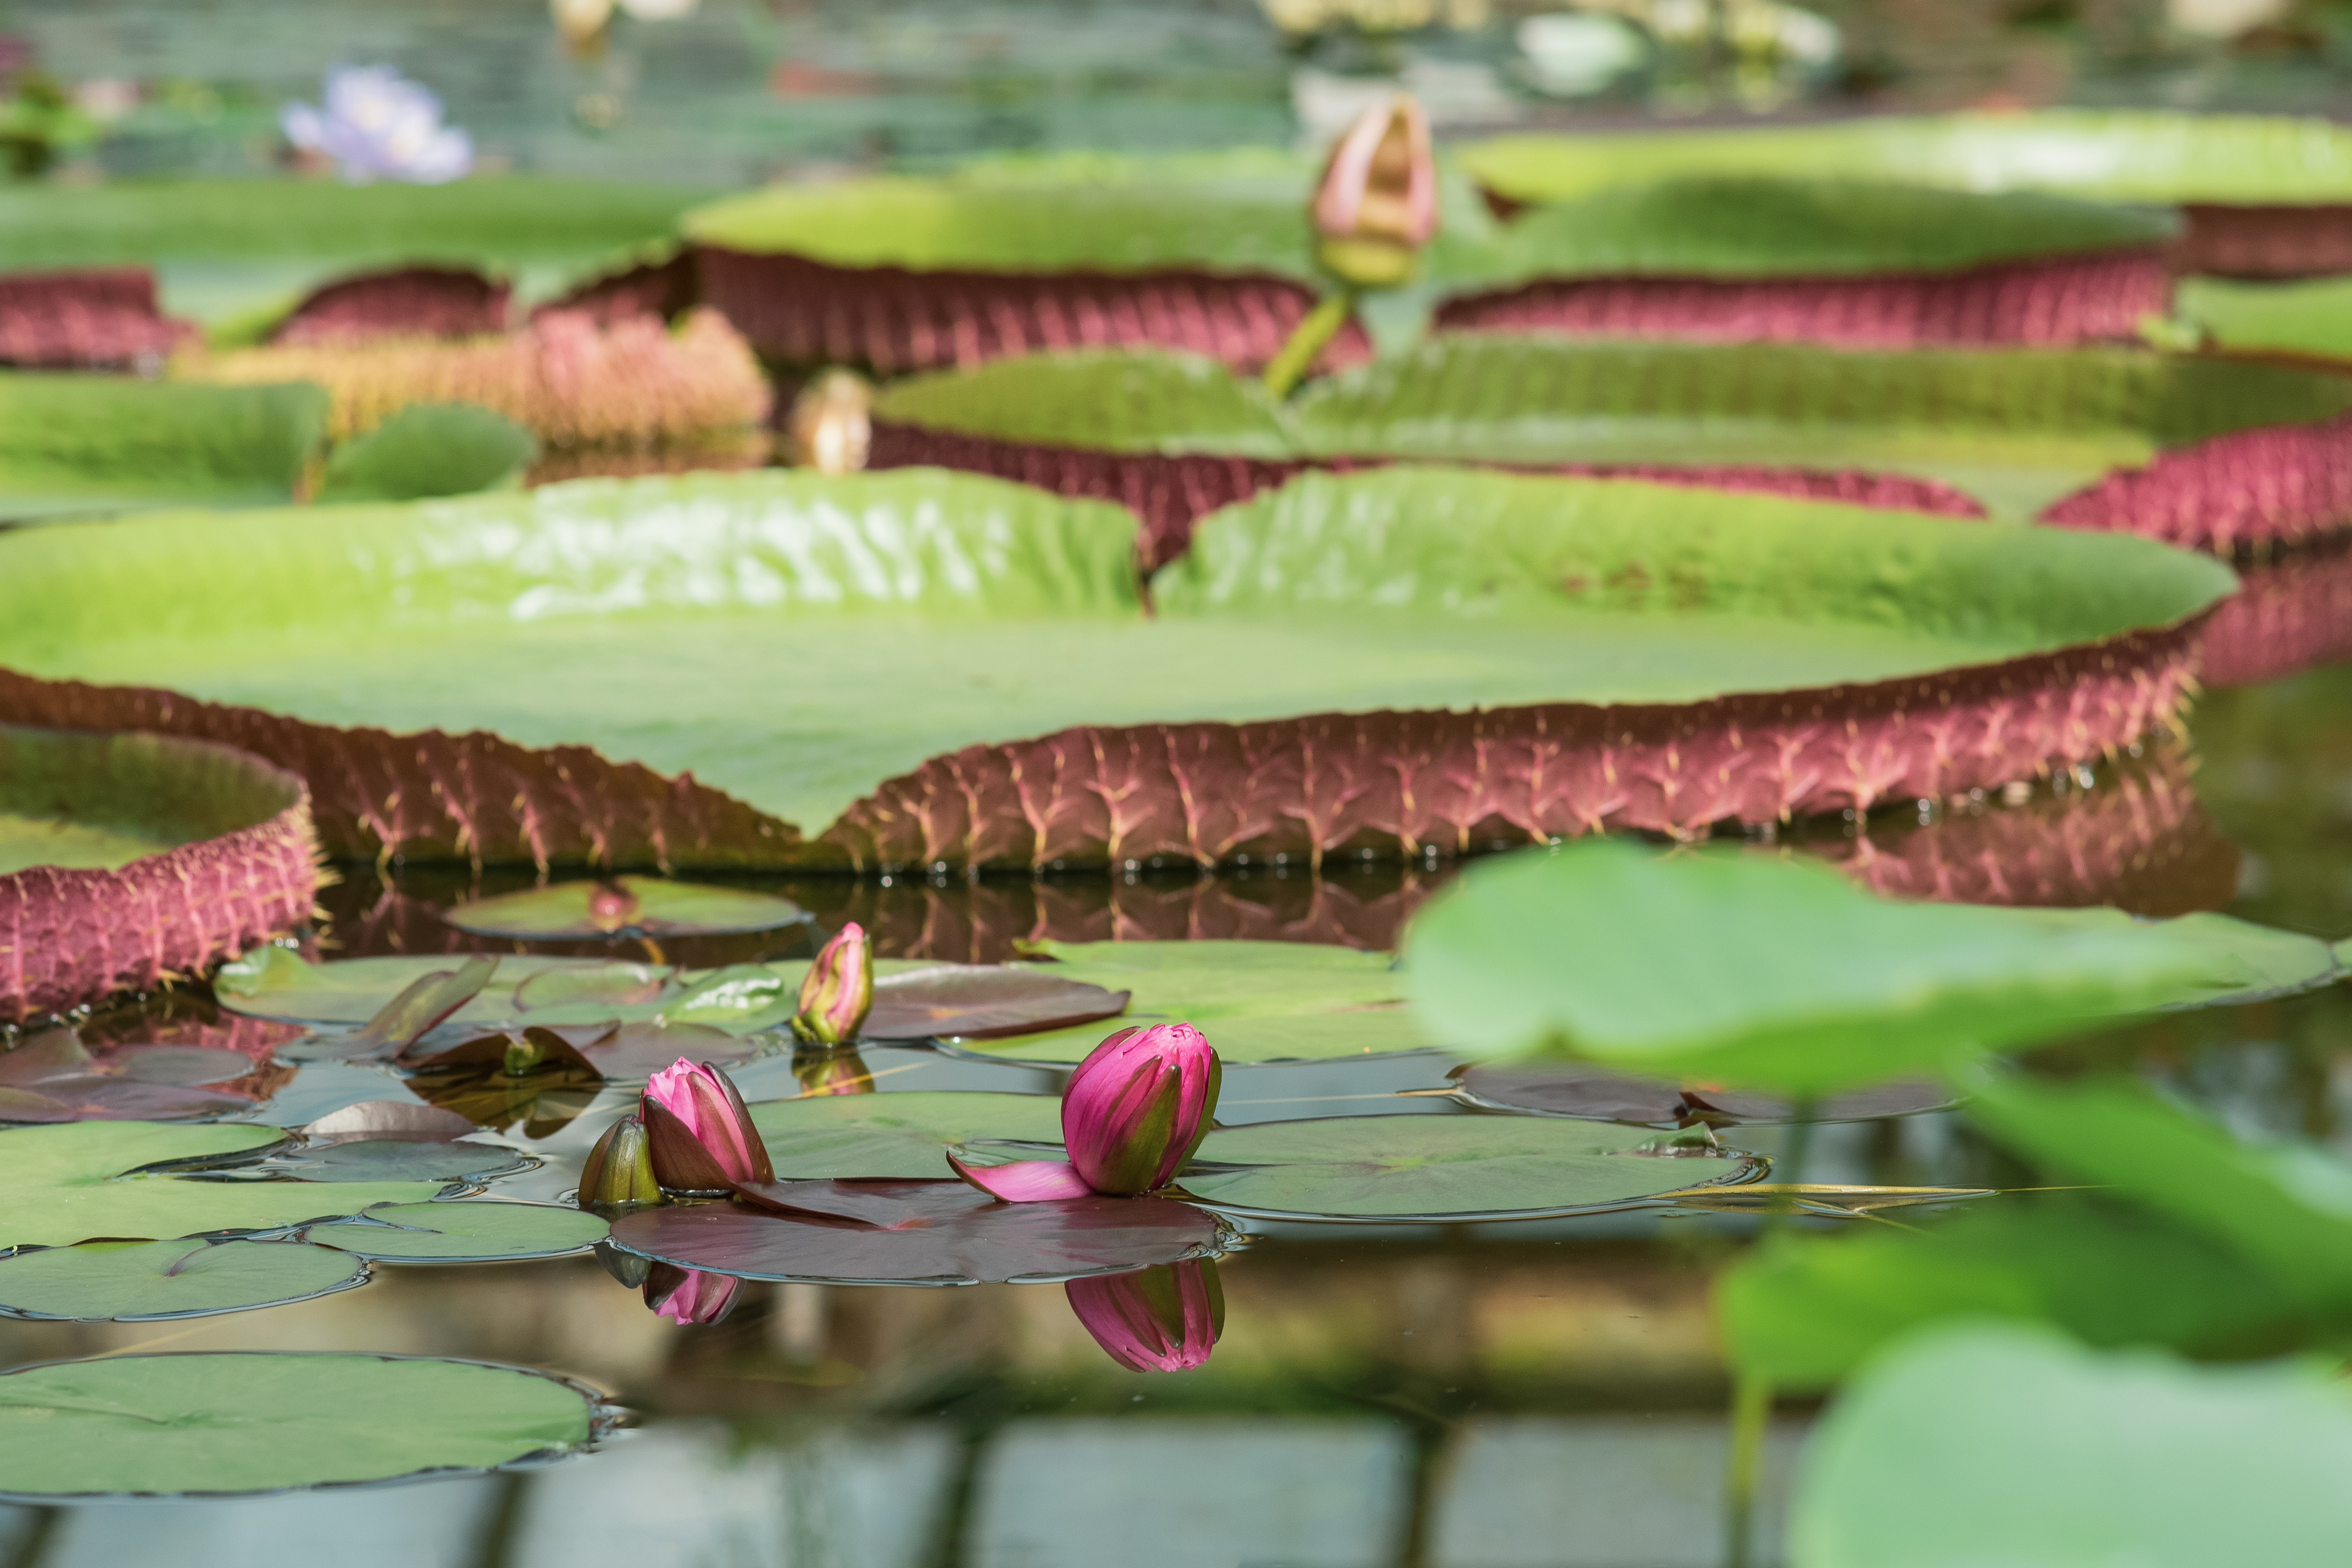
(100, 1280)
(256, 1421)
(623, 906)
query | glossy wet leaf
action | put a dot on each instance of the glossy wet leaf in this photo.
(467, 1232)
(100, 1280)
(402, 1160)
(983, 1001)
(423, 1005)
(1984, 1444)
(254, 1421)
(276, 982)
(1805, 1311)
(2285, 1204)
(1776, 975)
(609, 984)
(964, 1237)
(66, 1184)
(653, 906)
(429, 450)
(894, 1135)
(52, 1077)
(1384, 1167)
(391, 1118)
(1403, 588)
(98, 443)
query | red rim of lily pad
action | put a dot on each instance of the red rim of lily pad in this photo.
(241, 870)
(950, 1234)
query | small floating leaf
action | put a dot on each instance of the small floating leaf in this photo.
(955, 1236)
(1440, 1167)
(623, 906)
(404, 1159)
(984, 1001)
(66, 1184)
(52, 1078)
(462, 1232)
(428, 449)
(620, 985)
(253, 1421)
(98, 1280)
(896, 1135)
(391, 1118)
(423, 1006)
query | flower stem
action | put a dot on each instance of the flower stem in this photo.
(1751, 1407)
(1306, 340)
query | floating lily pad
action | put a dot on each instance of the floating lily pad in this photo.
(983, 1001)
(957, 1235)
(99, 443)
(66, 1184)
(471, 1232)
(52, 1077)
(423, 1005)
(258, 1421)
(611, 984)
(1439, 1167)
(623, 906)
(1601, 1095)
(277, 983)
(1240, 1041)
(391, 1118)
(1986, 1443)
(894, 1135)
(1809, 985)
(135, 1281)
(429, 450)
(404, 1159)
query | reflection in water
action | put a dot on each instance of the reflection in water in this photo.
(690, 1295)
(824, 1071)
(1163, 1319)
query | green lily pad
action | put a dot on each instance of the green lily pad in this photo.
(2312, 318)
(469, 1232)
(429, 450)
(99, 443)
(403, 1160)
(1440, 1167)
(1983, 1443)
(1398, 589)
(258, 1421)
(1782, 975)
(67, 1183)
(52, 1077)
(902, 1136)
(1239, 1041)
(2136, 155)
(649, 906)
(138, 1281)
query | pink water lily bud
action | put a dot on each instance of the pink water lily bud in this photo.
(838, 990)
(611, 906)
(1139, 1105)
(1377, 203)
(689, 1295)
(700, 1132)
(1025, 1181)
(1163, 1319)
(620, 1168)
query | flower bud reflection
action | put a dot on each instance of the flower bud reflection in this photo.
(1164, 1318)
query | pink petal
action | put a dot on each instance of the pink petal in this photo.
(1025, 1181)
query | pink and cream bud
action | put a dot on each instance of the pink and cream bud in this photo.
(1377, 203)
(1139, 1105)
(699, 1131)
(838, 990)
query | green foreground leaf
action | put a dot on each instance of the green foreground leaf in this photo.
(462, 1232)
(130, 1283)
(94, 444)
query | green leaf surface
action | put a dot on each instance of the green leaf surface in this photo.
(1724, 226)
(1776, 974)
(67, 1183)
(991, 612)
(402, 1160)
(429, 450)
(902, 1136)
(101, 1280)
(1983, 1443)
(1113, 400)
(254, 1421)
(2312, 317)
(1803, 1311)
(653, 905)
(2137, 155)
(1240, 1039)
(96, 444)
(2285, 1204)
(1439, 1167)
(462, 1232)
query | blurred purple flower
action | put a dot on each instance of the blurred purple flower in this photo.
(376, 124)
(1163, 1319)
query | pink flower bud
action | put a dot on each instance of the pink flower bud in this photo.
(1138, 1107)
(1025, 1181)
(1163, 1319)
(689, 1295)
(838, 990)
(611, 906)
(1377, 203)
(701, 1132)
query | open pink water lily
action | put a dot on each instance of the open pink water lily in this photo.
(689, 1295)
(1134, 1112)
(699, 1131)
(838, 990)
(1163, 1319)
(1377, 203)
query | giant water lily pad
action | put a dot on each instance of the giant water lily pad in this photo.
(1394, 589)
(904, 1135)
(135, 1281)
(623, 906)
(1441, 1167)
(94, 444)
(1982, 1443)
(1782, 975)
(952, 1234)
(258, 1421)
(461, 1231)
(74, 1182)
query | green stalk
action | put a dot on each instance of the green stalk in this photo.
(1306, 340)
(1751, 1407)
(1801, 1142)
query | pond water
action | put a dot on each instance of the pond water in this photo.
(1475, 1395)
